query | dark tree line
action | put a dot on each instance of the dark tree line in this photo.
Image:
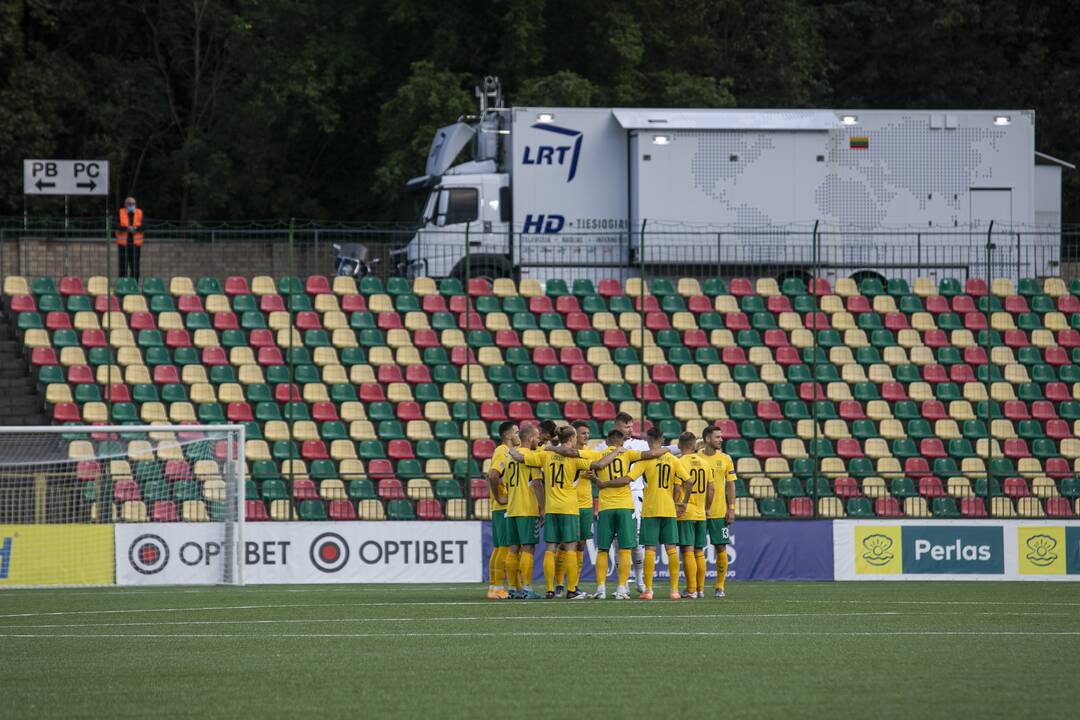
(245, 109)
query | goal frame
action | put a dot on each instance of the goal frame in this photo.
(234, 435)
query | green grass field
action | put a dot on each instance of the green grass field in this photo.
(801, 649)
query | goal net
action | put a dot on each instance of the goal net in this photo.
(126, 504)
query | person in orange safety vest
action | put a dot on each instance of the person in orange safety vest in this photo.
(129, 238)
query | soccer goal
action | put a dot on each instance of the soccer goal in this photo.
(127, 504)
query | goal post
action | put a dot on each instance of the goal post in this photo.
(101, 504)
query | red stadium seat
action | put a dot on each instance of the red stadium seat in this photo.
(213, 356)
(1016, 410)
(478, 489)
(255, 511)
(699, 304)
(166, 375)
(1057, 392)
(740, 287)
(358, 303)
(857, 304)
(819, 286)
(934, 374)
(1016, 448)
(769, 410)
(87, 470)
(479, 286)
(380, 470)
(728, 428)
(1017, 487)
(239, 412)
(304, 489)
(164, 511)
(567, 305)
(788, 355)
(657, 321)
(22, 303)
(647, 392)
(1058, 507)
(577, 320)
(916, 467)
(801, 507)
(269, 355)
(975, 287)
(66, 412)
(663, 373)
(57, 320)
(962, 304)
(118, 392)
(733, 355)
(408, 411)
(846, 487)
(392, 321)
(1016, 338)
(975, 355)
(237, 285)
(402, 450)
(961, 373)
(934, 410)
(43, 356)
(649, 303)
(271, 303)
(521, 410)
(1068, 304)
(736, 321)
(262, 338)
(1056, 356)
(1057, 429)
(105, 303)
(316, 450)
(492, 410)
(189, 304)
(932, 448)
(226, 321)
(1057, 468)
(389, 374)
(126, 491)
(459, 304)
(80, 375)
(809, 392)
(848, 448)
(483, 449)
(576, 410)
(887, 507)
(318, 285)
(603, 410)
(426, 338)
(539, 304)
(937, 304)
(429, 509)
(416, 374)
(614, 339)
(371, 392)
(893, 392)
(936, 339)
(287, 392)
(972, 507)
(72, 285)
(462, 356)
(341, 509)
(1069, 339)
(775, 338)
(507, 339)
(819, 319)
(544, 356)
(777, 304)
(608, 288)
(765, 448)
(1016, 304)
(851, 410)
(325, 412)
(896, 321)
(142, 321)
(930, 486)
(93, 339)
(537, 392)
(571, 356)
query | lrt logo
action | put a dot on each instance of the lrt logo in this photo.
(555, 154)
(148, 554)
(877, 549)
(1041, 550)
(329, 552)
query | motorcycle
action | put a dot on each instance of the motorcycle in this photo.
(352, 261)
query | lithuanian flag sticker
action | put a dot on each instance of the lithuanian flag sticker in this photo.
(859, 142)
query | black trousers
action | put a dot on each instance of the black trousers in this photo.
(129, 260)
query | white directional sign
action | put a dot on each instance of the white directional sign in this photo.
(66, 177)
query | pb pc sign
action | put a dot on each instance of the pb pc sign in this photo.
(66, 177)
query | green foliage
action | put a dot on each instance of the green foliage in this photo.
(269, 108)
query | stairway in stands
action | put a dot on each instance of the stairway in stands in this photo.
(20, 402)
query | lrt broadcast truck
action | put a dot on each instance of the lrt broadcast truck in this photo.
(606, 192)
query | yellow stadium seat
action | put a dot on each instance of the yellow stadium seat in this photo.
(838, 391)
(894, 356)
(1002, 507)
(947, 429)
(1002, 287)
(362, 430)
(281, 510)
(832, 304)
(830, 507)
(264, 285)
(767, 287)
(1001, 355)
(790, 321)
(1055, 321)
(717, 374)
(137, 375)
(805, 430)
(1028, 507)
(495, 321)
(98, 285)
(889, 467)
(762, 487)
(456, 449)
(16, 285)
(419, 489)
(842, 321)
(380, 302)
(688, 287)
(327, 303)
(206, 337)
(593, 392)
(853, 373)
(760, 355)
(916, 507)
(726, 304)
(973, 467)
(1002, 392)
(923, 321)
(909, 338)
(1002, 428)
(133, 511)
(256, 450)
(530, 287)
(757, 392)
(686, 410)
(924, 287)
(833, 467)
(1043, 338)
(960, 487)
(962, 338)
(877, 448)
(713, 410)
(457, 509)
(792, 448)
(194, 511)
(880, 373)
(846, 287)
(835, 429)
(181, 285)
(1044, 487)
(137, 303)
(1070, 448)
(746, 507)
(1002, 321)
(884, 304)
(343, 285)
(974, 392)
(874, 487)
(351, 468)
(683, 321)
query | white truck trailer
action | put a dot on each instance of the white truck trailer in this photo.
(587, 192)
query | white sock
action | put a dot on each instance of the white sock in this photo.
(639, 564)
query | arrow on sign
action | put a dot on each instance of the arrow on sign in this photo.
(41, 184)
(89, 185)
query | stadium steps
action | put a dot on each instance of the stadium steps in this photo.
(20, 402)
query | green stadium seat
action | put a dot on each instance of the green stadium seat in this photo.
(773, 508)
(860, 507)
(945, 507)
(400, 510)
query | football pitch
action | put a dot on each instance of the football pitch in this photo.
(799, 649)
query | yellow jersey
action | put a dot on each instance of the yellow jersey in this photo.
(723, 472)
(497, 459)
(700, 476)
(560, 494)
(584, 483)
(661, 476)
(617, 498)
(520, 498)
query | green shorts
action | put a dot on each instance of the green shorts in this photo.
(585, 523)
(656, 530)
(718, 531)
(616, 523)
(522, 531)
(561, 528)
(692, 533)
(498, 528)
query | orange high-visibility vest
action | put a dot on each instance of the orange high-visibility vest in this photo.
(122, 235)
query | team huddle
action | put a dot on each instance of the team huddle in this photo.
(542, 477)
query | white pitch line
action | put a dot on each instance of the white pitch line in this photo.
(470, 618)
(188, 609)
(621, 634)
